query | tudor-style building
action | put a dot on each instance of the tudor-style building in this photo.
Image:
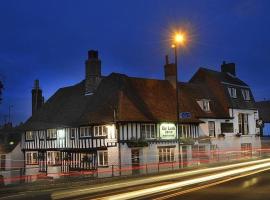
(126, 121)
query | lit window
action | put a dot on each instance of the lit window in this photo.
(246, 94)
(85, 131)
(29, 135)
(72, 133)
(166, 155)
(31, 158)
(51, 134)
(232, 92)
(148, 131)
(103, 158)
(100, 131)
(61, 133)
(211, 128)
(53, 158)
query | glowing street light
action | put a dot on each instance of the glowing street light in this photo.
(179, 38)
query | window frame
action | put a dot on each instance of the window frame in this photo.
(84, 130)
(70, 134)
(104, 162)
(100, 131)
(51, 134)
(166, 154)
(31, 161)
(232, 92)
(27, 136)
(53, 161)
(212, 128)
(246, 94)
(152, 131)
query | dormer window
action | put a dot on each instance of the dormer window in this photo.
(246, 94)
(204, 104)
(232, 92)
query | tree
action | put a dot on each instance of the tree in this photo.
(1, 90)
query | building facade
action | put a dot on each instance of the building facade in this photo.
(125, 122)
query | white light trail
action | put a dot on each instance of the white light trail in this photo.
(180, 184)
(117, 185)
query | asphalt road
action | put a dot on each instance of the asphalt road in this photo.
(251, 181)
(253, 187)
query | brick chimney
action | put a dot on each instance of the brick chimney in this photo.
(228, 68)
(92, 72)
(37, 98)
(170, 72)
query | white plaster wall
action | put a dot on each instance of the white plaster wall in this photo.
(149, 158)
(252, 117)
(54, 171)
(31, 172)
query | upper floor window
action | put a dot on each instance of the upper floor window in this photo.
(31, 158)
(204, 104)
(29, 135)
(232, 92)
(246, 94)
(148, 131)
(51, 134)
(100, 131)
(211, 128)
(85, 131)
(72, 133)
(41, 135)
(102, 158)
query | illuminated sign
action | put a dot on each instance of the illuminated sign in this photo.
(167, 131)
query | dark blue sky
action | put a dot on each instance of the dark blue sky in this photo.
(49, 40)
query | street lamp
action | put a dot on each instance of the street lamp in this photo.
(179, 39)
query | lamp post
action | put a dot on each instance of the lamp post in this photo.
(178, 40)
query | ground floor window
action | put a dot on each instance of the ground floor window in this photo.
(103, 158)
(166, 154)
(211, 128)
(31, 158)
(53, 158)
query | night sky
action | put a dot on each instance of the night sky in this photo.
(49, 40)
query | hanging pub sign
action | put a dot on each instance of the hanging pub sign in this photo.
(167, 131)
(259, 123)
(185, 115)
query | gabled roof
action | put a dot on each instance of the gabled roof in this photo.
(218, 83)
(120, 98)
(264, 110)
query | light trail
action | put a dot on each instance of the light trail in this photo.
(95, 189)
(173, 186)
(208, 185)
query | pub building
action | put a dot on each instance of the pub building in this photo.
(125, 122)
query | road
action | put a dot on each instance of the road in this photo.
(253, 187)
(250, 180)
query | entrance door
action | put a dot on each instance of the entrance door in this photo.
(135, 161)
